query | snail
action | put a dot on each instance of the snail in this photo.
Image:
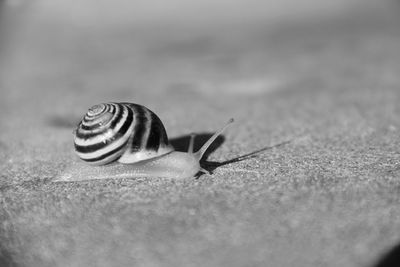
(127, 140)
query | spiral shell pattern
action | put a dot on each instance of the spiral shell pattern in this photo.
(123, 132)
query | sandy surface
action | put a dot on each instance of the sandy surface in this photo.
(328, 197)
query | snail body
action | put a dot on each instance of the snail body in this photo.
(126, 140)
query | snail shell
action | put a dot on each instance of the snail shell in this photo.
(122, 132)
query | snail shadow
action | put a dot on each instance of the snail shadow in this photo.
(182, 143)
(62, 122)
(212, 165)
(390, 258)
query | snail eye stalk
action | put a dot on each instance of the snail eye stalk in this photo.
(200, 153)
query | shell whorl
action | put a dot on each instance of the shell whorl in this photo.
(123, 132)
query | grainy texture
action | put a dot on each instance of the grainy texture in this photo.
(329, 197)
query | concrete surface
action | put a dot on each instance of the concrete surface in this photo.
(328, 197)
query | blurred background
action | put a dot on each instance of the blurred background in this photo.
(56, 51)
(233, 47)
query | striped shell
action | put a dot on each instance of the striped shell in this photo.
(123, 132)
